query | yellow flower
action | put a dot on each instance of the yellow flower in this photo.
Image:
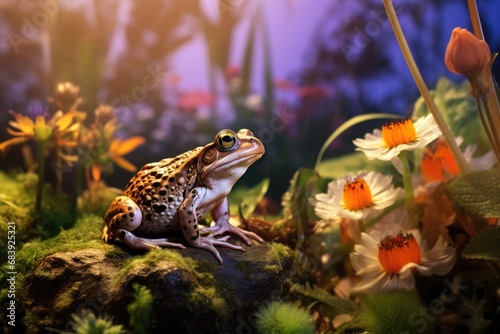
(117, 149)
(26, 131)
(466, 54)
(60, 129)
(120, 147)
(396, 137)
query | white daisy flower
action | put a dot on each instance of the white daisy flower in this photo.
(398, 136)
(356, 196)
(389, 263)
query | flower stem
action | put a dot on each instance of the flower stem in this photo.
(490, 104)
(483, 106)
(408, 185)
(476, 20)
(41, 178)
(424, 91)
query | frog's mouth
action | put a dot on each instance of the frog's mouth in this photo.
(245, 160)
(236, 166)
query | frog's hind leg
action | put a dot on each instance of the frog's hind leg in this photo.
(123, 217)
(123, 214)
(135, 242)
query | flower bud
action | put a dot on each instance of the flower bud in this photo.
(466, 54)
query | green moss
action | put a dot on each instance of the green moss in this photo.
(275, 256)
(16, 197)
(15, 201)
(152, 257)
(279, 251)
(140, 309)
(273, 259)
(208, 293)
(209, 297)
(85, 234)
(283, 318)
(246, 267)
(272, 268)
(65, 300)
(16, 205)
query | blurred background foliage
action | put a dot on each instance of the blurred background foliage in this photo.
(126, 53)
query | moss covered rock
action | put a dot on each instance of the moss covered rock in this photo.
(191, 292)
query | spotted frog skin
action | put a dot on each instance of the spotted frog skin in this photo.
(175, 193)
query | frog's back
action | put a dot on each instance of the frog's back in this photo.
(159, 174)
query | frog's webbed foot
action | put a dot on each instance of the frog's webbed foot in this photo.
(224, 226)
(209, 244)
(132, 241)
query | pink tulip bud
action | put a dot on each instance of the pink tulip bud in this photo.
(466, 54)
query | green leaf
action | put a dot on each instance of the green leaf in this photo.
(299, 217)
(139, 310)
(304, 184)
(346, 125)
(341, 306)
(478, 192)
(252, 198)
(484, 245)
(353, 162)
(399, 312)
(458, 109)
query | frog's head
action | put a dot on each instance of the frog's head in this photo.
(229, 156)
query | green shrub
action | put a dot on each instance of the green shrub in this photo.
(88, 323)
(140, 309)
(284, 318)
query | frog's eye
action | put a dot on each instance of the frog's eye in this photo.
(226, 140)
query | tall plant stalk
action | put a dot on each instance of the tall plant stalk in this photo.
(424, 91)
(488, 105)
(41, 173)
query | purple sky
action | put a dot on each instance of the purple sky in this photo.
(291, 26)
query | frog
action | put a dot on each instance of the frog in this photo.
(175, 193)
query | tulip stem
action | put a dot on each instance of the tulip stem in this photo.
(476, 20)
(490, 104)
(486, 116)
(424, 91)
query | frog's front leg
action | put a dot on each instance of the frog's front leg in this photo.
(123, 217)
(220, 215)
(191, 230)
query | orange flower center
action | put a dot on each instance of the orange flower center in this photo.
(438, 160)
(398, 132)
(394, 251)
(357, 195)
